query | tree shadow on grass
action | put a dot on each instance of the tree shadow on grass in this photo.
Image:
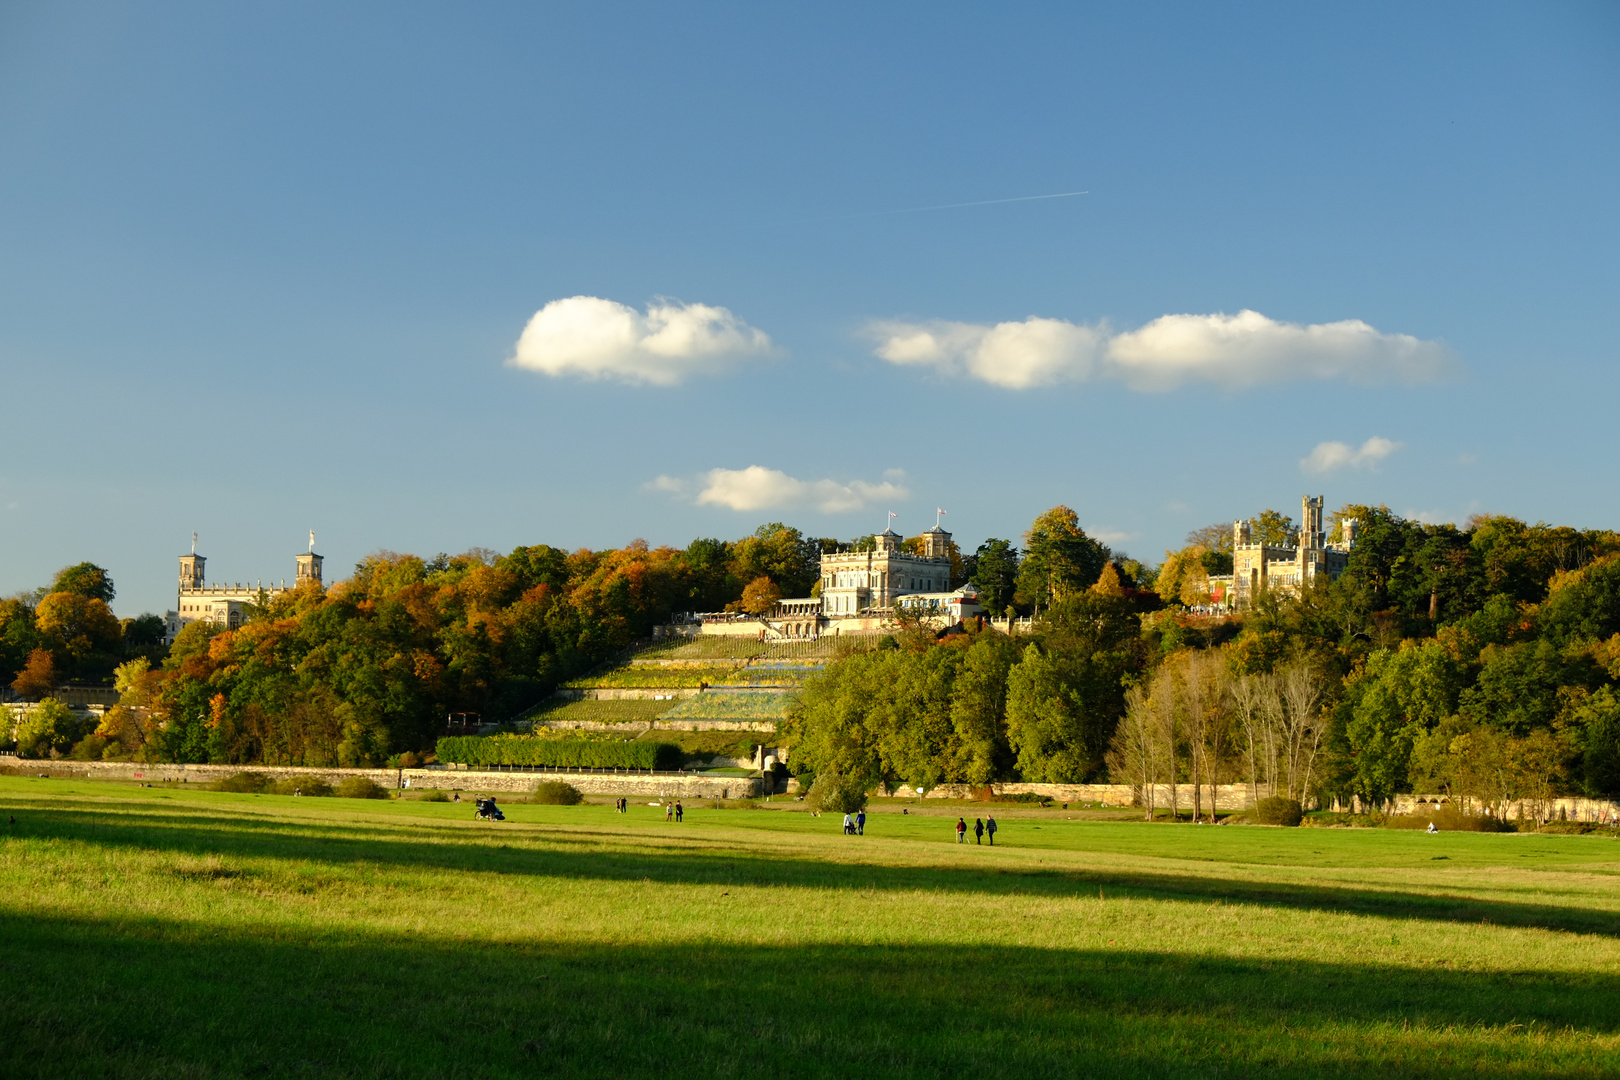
(108, 999)
(601, 854)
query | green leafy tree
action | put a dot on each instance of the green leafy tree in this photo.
(978, 709)
(994, 572)
(18, 637)
(781, 553)
(143, 632)
(1059, 558)
(49, 729)
(1597, 721)
(1046, 722)
(1397, 699)
(1274, 528)
(85, 579)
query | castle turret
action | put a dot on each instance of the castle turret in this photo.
(936, 543)
(1241, 532)
(888, 540)
(1311, 535)
(191, 571)
(309, 568)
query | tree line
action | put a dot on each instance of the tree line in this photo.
(1478, 661)
(369, 667)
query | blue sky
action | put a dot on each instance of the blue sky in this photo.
(266, 269)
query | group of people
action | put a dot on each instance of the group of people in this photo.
(673, 811)
(980, 828)
(855, 826)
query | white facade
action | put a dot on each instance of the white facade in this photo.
(223, 605)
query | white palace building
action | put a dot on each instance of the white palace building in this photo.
(860, 590)
(222, 605)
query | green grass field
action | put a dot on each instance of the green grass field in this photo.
(179, 933)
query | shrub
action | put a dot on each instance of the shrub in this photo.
(836, 794)
(1448, 818)
(360, 787)
(557, 793)
(563, 753)
(1278, 810)
(301, 785)
(409, 760)
(433, 796)
(49, 729)
(89, 748)
(247, 783)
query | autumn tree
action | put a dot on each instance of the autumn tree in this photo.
(760, 596)
(75, 626)
(38, 676)
(781, 553)
(1108, 583)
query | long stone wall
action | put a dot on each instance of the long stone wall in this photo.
(1235, 798)
(631, 693)
(636, 726)
(1228, 797)
(674, 785)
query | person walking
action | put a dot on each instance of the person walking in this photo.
(849, 825)
(978, 830)
(860, 822)
(669, 812)
(990, 827)
(961, 831)
(678, 811)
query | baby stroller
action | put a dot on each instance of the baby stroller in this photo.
(488, 811)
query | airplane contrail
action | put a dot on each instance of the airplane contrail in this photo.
(956, 206)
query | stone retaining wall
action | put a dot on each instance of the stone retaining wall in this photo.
(1228, 797)
(633, 693)
(683, 786)
(637, 726)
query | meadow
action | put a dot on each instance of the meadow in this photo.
(184, 933)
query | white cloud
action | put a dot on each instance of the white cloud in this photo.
(603, 339)
(1331, 456)
(1016, 355)
(1245, 349)
(1111, 536)
(759, 488)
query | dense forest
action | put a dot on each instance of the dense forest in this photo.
(1480, 660)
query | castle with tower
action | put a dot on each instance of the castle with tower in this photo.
(1257, 567)
(222, 605)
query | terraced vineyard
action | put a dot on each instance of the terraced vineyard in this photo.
(752, 706)
(637, 711)
(748, 681)
(641, 678)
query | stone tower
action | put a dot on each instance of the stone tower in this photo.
(1311, 535)
(309, 568)
(191, 571)
(936, 544)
